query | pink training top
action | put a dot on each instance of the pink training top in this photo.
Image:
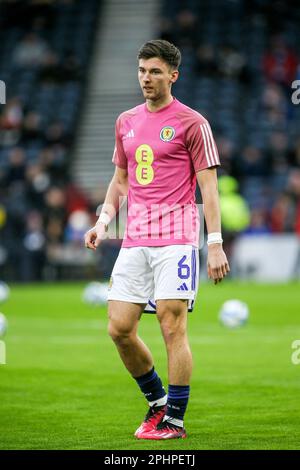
(162, 152)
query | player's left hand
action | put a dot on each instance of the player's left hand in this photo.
(217, 264)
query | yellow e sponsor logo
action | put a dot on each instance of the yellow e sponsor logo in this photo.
(144, 171)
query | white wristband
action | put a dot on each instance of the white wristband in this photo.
(104, 218)
(214, 237)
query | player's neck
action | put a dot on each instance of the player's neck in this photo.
(154, 106)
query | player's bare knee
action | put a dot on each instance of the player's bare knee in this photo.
(172, 331)
(120, 332)
(116, 332)
(122, 325)
(172, 318)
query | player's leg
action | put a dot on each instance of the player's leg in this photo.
(132, 284)
(122, 328)
(123, 325)
(172, 316)
(176, 276)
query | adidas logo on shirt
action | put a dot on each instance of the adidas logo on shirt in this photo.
(129, 134)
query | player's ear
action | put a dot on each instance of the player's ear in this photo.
(174, 76)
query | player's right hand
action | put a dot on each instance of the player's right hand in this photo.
(94, 236)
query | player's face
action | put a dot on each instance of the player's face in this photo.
(156, 78)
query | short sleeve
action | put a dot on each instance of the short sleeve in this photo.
(119, 157)
(201, 145)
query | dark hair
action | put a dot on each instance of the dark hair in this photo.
(162, 49)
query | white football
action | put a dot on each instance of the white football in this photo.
(95, 293)
(234, 313)
(3, 324)
(4, 291)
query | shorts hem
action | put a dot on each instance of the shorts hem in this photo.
(190, 310)
(173, 296)
(132, 300)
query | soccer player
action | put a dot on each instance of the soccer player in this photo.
(162, 148)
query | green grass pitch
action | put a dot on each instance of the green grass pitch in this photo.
(64, 386)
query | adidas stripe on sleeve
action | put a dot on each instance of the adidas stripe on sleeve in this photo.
(119, 157)
(201, 145)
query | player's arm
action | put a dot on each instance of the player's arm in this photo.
(217, 264)
(117, 188)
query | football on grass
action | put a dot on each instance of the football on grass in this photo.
(234, 313)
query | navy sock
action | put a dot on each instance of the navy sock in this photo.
(151, 386)
(178, 397)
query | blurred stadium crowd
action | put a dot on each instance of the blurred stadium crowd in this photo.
(240, 58)
(45, 49)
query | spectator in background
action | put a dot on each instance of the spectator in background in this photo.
(16, 207)
(293, 188)
(37, 183)
(293, 185)
(295, 154)
(274, 107)
(11, 122)
(232, 64)
(298, 72)
(283, 214)
(53, 154)
(54, 71)
(206, 62)
(166, 29)
(31, 128)
(278, 153)
(280, 63)
(252, 162)
(16, 166)
(32, 260)
(50, 69)
(258, 222)
(55, 216)
(227, 156)
(12, 115)
(56, 134)
(53, 160)
(76, 200)
(54, 231)
(186, 29)
(30, 51)
(70, 68)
